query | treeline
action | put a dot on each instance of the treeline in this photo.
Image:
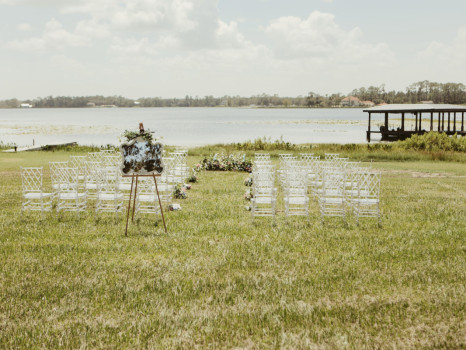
(263, 100)
(454, 93)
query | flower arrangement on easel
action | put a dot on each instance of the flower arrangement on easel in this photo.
(144, 134)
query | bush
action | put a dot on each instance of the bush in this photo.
(227, 163)
(266, 144)
(434, 142)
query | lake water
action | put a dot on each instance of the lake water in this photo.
(182, 126)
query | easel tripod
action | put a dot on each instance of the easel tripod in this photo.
(133, 176)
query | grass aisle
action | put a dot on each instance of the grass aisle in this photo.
(217, 281)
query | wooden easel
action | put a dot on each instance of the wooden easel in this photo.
(135, 194)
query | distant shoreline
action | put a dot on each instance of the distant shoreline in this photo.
(197, 107)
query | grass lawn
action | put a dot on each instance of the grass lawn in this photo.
(216, 281)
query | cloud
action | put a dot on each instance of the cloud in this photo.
(453, 53)
(24, 27)
(184, 44)
(54, 37)
(318, 38)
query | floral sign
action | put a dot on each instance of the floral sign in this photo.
(141, 157)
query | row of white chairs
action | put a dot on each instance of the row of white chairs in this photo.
(264, 192)
(339, 186)
(97, 176)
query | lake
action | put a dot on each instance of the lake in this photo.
(182, 126)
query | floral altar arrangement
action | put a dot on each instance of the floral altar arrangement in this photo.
(248, 195)
(228, 162)
(180, 191)
(145, 134)
(194, 171)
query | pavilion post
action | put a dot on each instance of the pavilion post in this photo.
(402, 122)
(386, 121)
(462, 121)
(443, 121)
(415, 122)
(431, 121)
(439, 117)
(368, 137)
(420, 121)
(448, 126)
(454, 121)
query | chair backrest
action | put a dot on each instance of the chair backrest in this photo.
(55, 171)
(109, 152)
(93, 171)
(31, 179)
(146, 186)
(78, 162)
(168, 165)
(306, 156)
(180, 157)
(111, 160)
(109, 179)
(331, 155)
(265, 164)
(369, 184)
(333, 180)
(67, 179)
(263, 180)
(95, 156)
(295, 181)
(261, 156)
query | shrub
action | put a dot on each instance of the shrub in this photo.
(434, 142)
(227, 163)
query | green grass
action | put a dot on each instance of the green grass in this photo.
(216, 281)
(393, 151)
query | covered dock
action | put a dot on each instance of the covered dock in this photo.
(443, 118)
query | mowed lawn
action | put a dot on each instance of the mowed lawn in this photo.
(217, 281)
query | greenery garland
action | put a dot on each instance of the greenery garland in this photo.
(146, 135)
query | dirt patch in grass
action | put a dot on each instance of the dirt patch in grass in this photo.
(428, 175)
(419, 174)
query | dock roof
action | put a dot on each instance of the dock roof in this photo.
(416, 108)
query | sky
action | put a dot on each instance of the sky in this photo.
(174, 48)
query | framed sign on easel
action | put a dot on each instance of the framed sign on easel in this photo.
(141, 158)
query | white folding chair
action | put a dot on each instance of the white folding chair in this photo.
(93, 178)
(146, 196)
(263, 202)
(109, 198)
(55, 171)
(296, 193)
(332, 196)
(80, 163)
(34, 198)
(69, 196)
(367, 201)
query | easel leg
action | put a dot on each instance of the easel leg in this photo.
(129, 205)
(135, 195)
(160, 204)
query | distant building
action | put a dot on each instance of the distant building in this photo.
(25, 105)
(351, 101)
(90, 104)
(427, 102)
(368, 103)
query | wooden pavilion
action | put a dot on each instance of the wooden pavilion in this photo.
(437, 117)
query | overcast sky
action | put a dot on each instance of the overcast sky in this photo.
(173, 48)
